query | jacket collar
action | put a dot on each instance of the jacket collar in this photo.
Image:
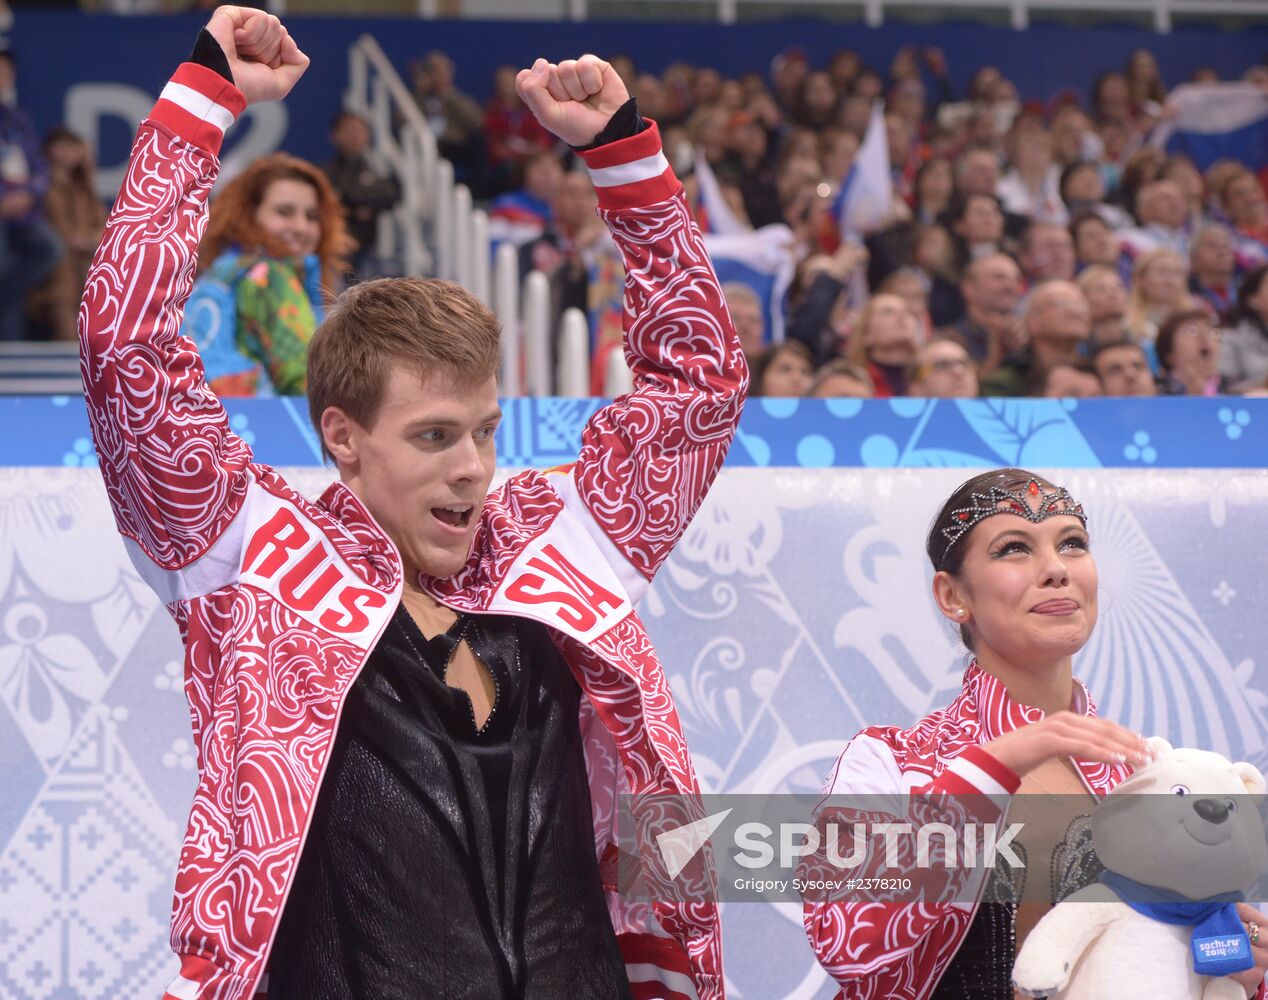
(998, 714)
(378, 550)
(986, 699)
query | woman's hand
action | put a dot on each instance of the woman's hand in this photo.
(1067, 734)
(1252, 978)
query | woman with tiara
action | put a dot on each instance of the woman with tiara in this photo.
(1013, 569)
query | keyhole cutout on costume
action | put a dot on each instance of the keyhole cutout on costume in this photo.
(465, 670)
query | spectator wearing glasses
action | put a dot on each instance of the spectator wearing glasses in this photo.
(1189, 353)
(943, 370)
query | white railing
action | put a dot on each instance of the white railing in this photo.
(400, 134)
(460, 247)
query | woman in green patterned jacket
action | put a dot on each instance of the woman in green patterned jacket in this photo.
(275, 244)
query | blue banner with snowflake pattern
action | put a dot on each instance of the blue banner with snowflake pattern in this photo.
(1222, 432)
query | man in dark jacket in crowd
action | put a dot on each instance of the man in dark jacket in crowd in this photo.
(365, 185)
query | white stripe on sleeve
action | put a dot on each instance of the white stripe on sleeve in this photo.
(977, 777)
(630, 173)
(198, 105)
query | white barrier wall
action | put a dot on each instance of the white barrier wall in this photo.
(794, 611)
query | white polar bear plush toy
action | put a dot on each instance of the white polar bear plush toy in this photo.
(1185, 824)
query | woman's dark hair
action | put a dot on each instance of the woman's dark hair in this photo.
(947, 555)
(1166, 339)
(925, 168)
(1098, 89)
(764, 360)
(961, 200)
(1250, 286)
(1078, 166)
(82, 174)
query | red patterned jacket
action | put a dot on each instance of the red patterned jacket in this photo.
(899, 952)
(280, 600)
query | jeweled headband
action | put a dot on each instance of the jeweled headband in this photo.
(1033, 502)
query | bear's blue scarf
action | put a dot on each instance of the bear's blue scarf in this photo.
(1220, 943)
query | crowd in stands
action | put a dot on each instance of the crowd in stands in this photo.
(1029, 249)
(1026, 249)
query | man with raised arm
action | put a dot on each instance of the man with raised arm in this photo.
(414, 704)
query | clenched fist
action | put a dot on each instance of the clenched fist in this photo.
(575, 99)
(264, 59)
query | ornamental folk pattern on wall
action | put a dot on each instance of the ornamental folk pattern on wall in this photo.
(795, 611)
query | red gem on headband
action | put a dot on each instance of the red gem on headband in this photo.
(1051, 503)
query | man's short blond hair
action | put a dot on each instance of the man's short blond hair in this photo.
(422, 324)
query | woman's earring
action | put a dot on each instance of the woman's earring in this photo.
(960, 613)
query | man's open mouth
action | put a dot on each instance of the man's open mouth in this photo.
(455, 516)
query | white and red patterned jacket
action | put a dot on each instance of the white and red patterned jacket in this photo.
(280, 600)
(879, 950)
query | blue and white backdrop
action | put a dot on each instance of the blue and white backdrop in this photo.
(795, 611)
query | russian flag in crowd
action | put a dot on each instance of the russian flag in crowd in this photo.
(863, 204)
(762, 259)
(713, 213)
(1211, 121)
